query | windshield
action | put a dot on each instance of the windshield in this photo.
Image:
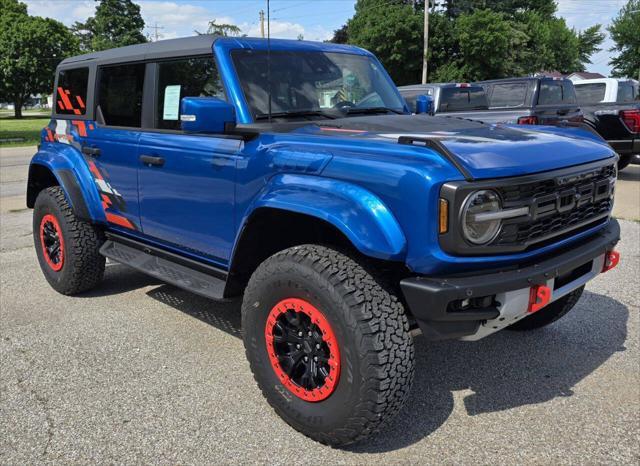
(322, 83)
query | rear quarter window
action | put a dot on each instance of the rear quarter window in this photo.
(508, 95)
(591, 93)
(71, 93)
(556, 93)
(627, 93)
(457, 99)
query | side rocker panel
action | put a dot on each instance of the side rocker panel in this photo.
(360, 215)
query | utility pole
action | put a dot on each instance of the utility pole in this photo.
(262, 23)
(156, 27)
(426, 41)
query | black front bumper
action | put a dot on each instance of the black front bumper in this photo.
(430, 298)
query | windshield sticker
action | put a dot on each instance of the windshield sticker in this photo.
(171, 102)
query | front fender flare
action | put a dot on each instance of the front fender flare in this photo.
(359, 214)
(72, 173)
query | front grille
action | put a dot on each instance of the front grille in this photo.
(557, 205)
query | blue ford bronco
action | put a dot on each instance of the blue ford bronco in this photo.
(293, 175)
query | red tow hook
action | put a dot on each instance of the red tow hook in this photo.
(611, 259)
(539, 297)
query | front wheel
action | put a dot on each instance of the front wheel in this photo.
(328, 346)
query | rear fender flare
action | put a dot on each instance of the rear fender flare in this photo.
(74, 177)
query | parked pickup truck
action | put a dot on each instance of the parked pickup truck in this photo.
(293, 175)
(536, 100)
(612, 108)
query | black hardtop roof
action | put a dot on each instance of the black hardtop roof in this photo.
(195, 45)
(522, 79)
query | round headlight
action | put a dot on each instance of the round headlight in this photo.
(479, 228)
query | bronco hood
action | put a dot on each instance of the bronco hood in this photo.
(479, 150)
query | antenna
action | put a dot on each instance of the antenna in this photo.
(269, 56)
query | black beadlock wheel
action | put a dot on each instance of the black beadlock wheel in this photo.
(549, 314)
(67, 248)
(328, 346)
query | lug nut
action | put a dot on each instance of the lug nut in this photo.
(315, 358)
(317, 345)
(298, 346)
(299, 334)
(309, 333)
(306, 358)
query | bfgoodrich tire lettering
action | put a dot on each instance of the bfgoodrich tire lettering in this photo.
(372, 331)
(82, 264)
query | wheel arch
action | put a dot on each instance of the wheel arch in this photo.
(66, 168)
(302, 209)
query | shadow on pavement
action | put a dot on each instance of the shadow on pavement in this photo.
(506, 370)
(118, 279)
(631, 173)
(503, 371)
(223, 315)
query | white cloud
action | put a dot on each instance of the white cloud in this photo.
(65, 11)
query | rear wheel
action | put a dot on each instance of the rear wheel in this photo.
(67, 248)
(550, 313)
(328, 346)
(624, 161)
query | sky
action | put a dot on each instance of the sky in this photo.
(313, 19)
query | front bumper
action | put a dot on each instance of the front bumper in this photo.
(433, 300)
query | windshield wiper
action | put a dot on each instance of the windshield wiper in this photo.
(297, 113)
(372, 110)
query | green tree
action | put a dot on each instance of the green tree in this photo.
(393, 31)
(470, 39)
(224, 30)
(116, 23)
(625, 32)
(30, 49)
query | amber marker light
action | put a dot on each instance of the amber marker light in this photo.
(443, 217)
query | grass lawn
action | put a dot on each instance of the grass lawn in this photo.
(27, 129)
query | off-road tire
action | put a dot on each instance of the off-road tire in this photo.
(371, 329)
(624, 162)
(550, 313)
(83, 265)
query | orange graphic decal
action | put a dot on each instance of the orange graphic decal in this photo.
(119, 220)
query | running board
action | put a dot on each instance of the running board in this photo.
(206, 281)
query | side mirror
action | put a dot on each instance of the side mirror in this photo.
(206, 115)
(424, 104)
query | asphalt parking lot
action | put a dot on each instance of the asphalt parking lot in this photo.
(139, 372)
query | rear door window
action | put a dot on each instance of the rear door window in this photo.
(591, 93)
(456, 99)
(191, 77)
(120, 95)
(508, 95)
(71, 93)
(556, 92)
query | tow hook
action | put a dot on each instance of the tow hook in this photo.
(611, 259)
(539, 297)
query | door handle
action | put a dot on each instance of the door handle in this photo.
(92, 151)
(152, 160)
